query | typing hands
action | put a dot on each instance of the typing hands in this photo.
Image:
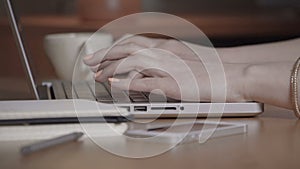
(159, 65)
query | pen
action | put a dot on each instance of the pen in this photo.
(51, 142)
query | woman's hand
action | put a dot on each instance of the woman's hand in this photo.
(257, 73)
(179, 76)
(127, 45)
(155, 70)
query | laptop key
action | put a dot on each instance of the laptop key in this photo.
(68, 89)
(101, 94)
(159, 98)
(83, 91)
(138, 100)
(58, 90)
(137, 96)
(104, 99)
(118, 95)
(155, 98)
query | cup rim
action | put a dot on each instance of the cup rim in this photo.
(74, 35)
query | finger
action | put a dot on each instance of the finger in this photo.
(126, 45)
(116, 52)
(94, 68)
(118, 67)
(105, 64)
(143, 64)
(100, 66)
(122, 51)
(131, 75)
(99, 56)
(135, 75)
(119, 53)
(137, 39)
(92, 59)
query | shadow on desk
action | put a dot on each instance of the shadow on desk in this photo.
(277, 112)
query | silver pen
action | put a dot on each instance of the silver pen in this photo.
(51, 142)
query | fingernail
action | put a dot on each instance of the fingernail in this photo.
(98, 74)
(95, 67)
(87, 57)
(113, 80)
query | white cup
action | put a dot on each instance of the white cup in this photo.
(63, 50)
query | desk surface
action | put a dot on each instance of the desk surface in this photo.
(272, 141)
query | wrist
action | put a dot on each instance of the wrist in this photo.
(237, 79)
(268, 83)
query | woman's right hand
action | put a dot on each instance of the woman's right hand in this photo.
(127, 45)
(150, 65)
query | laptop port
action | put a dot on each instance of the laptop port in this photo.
(125, 107)
(140, 108)
(163, 108)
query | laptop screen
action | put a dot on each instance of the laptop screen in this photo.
(15, 71)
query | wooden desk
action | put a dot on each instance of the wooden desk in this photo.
(272, 141)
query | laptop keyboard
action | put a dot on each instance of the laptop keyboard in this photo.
(102, 92)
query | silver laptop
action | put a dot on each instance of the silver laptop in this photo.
(138, 103)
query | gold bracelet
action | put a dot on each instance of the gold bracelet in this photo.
(294, 87)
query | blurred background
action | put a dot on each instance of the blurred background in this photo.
(226, 23)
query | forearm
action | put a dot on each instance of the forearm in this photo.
(267, 76)
(271, 52)
(269, 83)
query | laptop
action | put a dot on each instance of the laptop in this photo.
(137, 103)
